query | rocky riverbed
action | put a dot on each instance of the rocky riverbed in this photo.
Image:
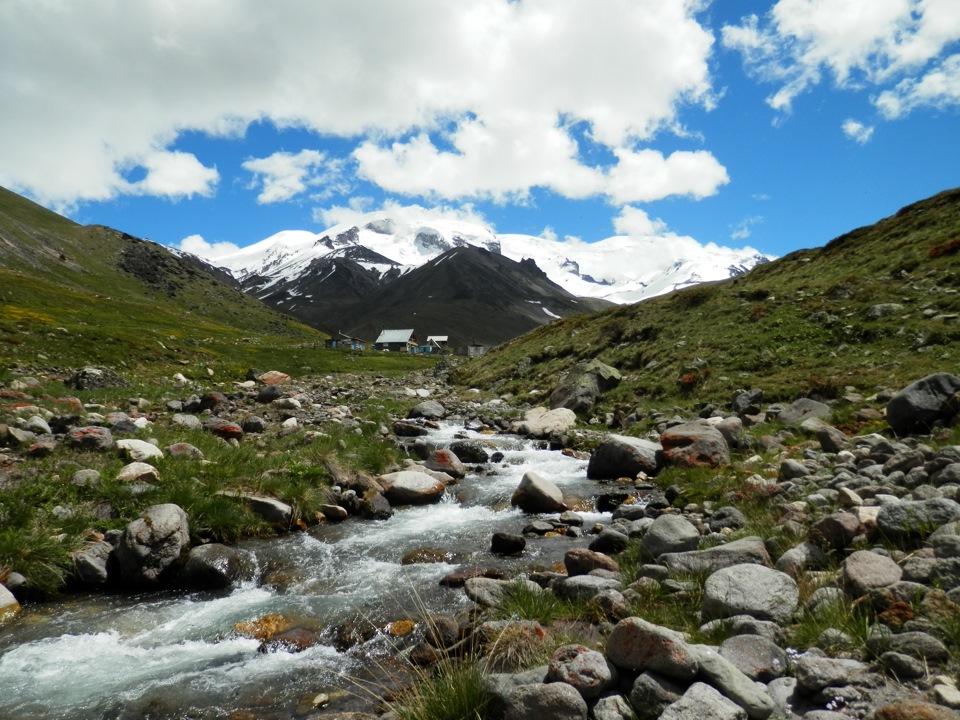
(756, 560)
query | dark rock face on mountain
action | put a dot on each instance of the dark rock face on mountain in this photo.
(467, 293)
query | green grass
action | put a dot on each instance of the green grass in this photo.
(454, 691)
(794, 327)
(522, 603)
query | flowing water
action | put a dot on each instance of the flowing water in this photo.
(178, 655)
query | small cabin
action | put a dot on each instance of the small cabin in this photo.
(396, 341)
(438, 343)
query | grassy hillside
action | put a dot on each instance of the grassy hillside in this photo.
(798, 326)
(73, 295)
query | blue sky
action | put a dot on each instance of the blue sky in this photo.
(216, 123)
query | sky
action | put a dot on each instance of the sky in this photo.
(213, 124)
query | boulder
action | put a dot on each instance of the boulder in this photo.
(152, 544)
(586, 670)
(138, 472)
(90, 438)
(274, 377)
(447, 462)
(557, 701)
(536, 494)
(273, 511)
(803, 409)
(622, 456)
(920, 405)
(583, 588)
(745, 550)
(469, 451)
(610, 541)
(211, 567)
(409, 487)
(750, 589)
(694, 444)
(539, 422)
(669, 534)
(651, 693)
(915, 518)
(580, 561)
(138, 450)
(757, 657)
(638, 645)
(816, 673)
(223, 428)
(503, 543)
(577, 392)
(863, 571)
(9, 607)
(703, 701)
(190, 422)
(735, 685)
(90, 562)
(428, 409)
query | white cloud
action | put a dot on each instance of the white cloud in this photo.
(857, 131)
(356, 213)
(285, 175)
(856, 42)
(636, 223)
(196, 245)
(939, 88)
(440, 99)
(176, 175)
(742, 230)
(646, 175)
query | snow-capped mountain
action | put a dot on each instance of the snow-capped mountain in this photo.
(619, 269)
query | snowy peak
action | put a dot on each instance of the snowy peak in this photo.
(618, 269)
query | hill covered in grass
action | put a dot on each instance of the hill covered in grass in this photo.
(74, 295)
(878, 306)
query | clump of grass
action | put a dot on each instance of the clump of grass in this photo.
(455, 690)
(678, 609)
(522, 603)
(853, 620)
(42, 559)
(517, 647)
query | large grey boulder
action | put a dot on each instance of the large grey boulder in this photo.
(703, 701)
(410, 487)
(750, 589)
(915, 518)
(695, 444)
(745, 550)
(815, 673)
(539, 422)
(669, 534)
(212, 567)
(735, 685)
(428, 409)
(757, 657)
(652, 693)
(557, 701)
(583, 588)
(91, 437)
(622, 456)
(579, 390)
(536, 494)
(152, 544)
(923, 403)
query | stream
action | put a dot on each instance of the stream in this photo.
(178, 655)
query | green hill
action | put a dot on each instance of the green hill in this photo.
(879, 306)
(73, 295)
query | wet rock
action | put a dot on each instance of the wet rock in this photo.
(507, 544)
(9, 607)
(409, 487)
(749, 589)
(294, 640)
(211, 567)
(447, 462)
(459, 578)
(536, 494)
(470, 452)
(920, 405)
(622, 456)
(539, 422)
(151, 544)
(635, 644)
(694, 445)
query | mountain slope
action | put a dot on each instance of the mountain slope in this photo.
(879, 306)
(618, 269)
(73, 294)
(469, 294)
